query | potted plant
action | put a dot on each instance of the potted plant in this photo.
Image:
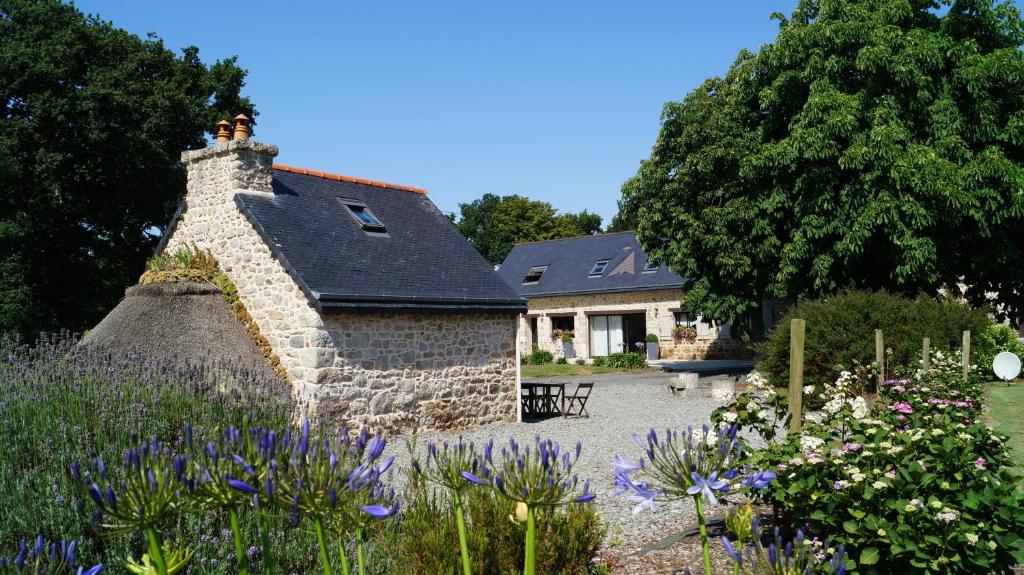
(682, 333)
(652, 347)
(567, 336)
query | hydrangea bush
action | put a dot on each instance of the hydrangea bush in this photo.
(914, 482)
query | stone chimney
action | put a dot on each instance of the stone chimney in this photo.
(230, 165)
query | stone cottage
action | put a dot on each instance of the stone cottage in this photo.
(605, 291)
(381, 313)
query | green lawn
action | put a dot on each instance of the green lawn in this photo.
(555, 370)
(1006, 406)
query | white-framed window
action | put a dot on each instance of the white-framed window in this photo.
(651, 267)
(599, 267)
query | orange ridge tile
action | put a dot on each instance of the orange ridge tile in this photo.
(343, 178)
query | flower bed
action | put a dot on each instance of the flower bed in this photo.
(916, 483)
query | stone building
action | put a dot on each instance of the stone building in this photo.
(381, 313)
(605, 291)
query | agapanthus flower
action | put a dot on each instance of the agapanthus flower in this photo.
(685, 464)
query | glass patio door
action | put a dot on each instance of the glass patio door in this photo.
(606, 335)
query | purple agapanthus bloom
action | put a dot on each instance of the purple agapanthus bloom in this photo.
(706, 487)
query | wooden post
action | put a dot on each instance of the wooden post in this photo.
(880, 357)
(965, 354)
(796, 374)
(925, 354)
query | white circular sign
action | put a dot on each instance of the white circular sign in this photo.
(1006, 365)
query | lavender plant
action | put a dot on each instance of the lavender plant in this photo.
(701, 466)
(445, 467)
(43, 559)
(535, 477)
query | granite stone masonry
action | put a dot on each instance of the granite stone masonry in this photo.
(659, 308)
(393, 371)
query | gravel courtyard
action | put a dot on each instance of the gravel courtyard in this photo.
(620, 405)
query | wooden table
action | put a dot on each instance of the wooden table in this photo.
(543, 398)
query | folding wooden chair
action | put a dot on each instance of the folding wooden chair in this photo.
(577, 399)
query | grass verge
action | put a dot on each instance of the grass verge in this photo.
(1006, 403)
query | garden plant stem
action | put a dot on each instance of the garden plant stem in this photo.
(318, 526)
(699, 503)
(359, 552)
(156, 553)
(343, 555)
(467, 568)
(531, 533)
(240, 559)
(265, 541)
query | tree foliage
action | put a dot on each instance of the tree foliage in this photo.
(93, 121)
(875, 144)
(493, 224)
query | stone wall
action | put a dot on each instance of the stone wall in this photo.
(658, 306)
(394, 373)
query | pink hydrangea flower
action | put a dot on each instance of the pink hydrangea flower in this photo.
(980, 463)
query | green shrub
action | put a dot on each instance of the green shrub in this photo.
(652, 338)
(539, 357)
(561, 361)
(622, 361)
(841, 329)
(425, 539)
(993, 340)
(581, 361)
(600, 361)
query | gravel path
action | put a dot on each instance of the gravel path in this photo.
(619, 405)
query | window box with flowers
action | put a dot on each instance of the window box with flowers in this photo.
(682, 333)
(566, 336)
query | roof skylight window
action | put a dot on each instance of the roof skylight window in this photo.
(534, 275)
(651, 267)
(362, 214)
(599, 267)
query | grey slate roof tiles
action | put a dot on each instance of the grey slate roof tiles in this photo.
(569, 263)
(420, 264)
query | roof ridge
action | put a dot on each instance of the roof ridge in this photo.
(343, 178)
(574, 238)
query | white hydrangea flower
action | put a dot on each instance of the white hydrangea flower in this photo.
(860, 408)
(729, 416)
(810, 443)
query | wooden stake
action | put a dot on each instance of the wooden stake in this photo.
(880, 357)
(796, 374)
(924, 353)
(965, 354)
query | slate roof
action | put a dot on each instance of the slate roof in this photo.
(570, 261)
(421, 264)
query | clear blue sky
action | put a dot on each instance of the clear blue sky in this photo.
(555, 100)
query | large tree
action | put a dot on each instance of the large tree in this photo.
(874, 144)
(93, 120)
(493, 224)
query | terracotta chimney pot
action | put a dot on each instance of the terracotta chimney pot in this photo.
(242, 127)
(223, 132)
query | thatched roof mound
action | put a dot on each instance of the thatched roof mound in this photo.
(183, 321)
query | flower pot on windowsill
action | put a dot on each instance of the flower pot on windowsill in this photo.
(652, 350)
(567, 350)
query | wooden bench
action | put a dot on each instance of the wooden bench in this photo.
(686, 381)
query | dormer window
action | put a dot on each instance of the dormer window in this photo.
(599, 267)
(362, 214)
(651, 267)
(534, 275)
